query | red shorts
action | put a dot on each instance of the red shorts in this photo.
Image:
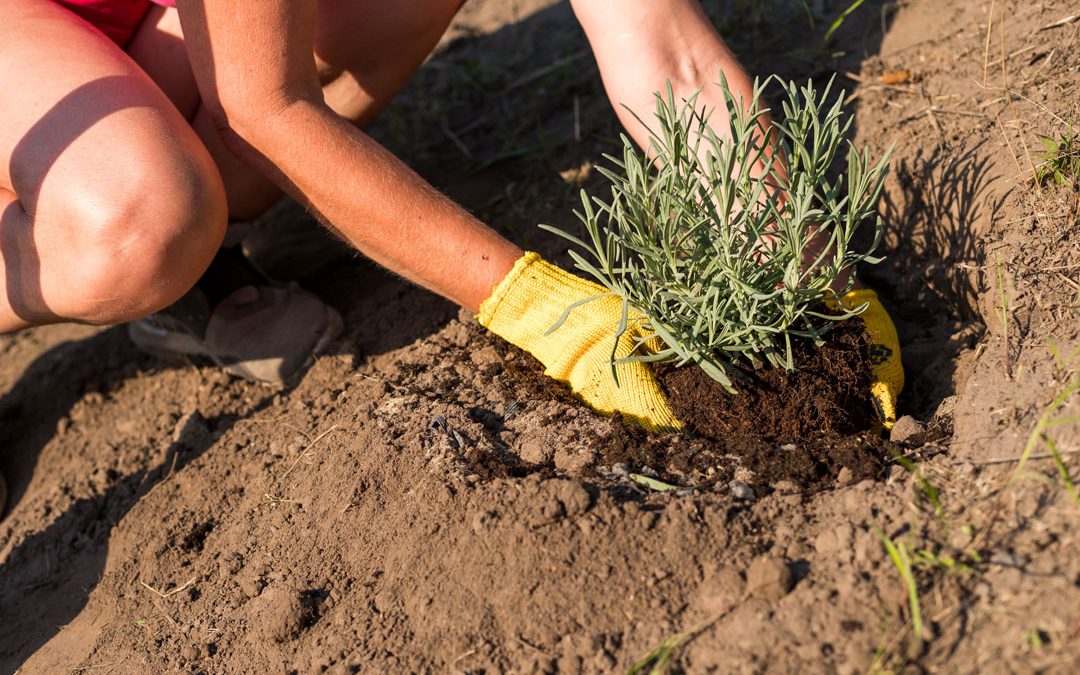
(117, 19)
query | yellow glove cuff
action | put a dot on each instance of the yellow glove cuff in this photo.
(884, 352)
(533, 297)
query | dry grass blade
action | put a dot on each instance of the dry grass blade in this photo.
(166, 594)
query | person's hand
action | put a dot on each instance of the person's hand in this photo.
(531, 299)
(884, 352)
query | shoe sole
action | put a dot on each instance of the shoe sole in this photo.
(174, 346)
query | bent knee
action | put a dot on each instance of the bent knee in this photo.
(147, 242)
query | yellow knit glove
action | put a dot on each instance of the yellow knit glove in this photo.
(532, 298)
(884, 352)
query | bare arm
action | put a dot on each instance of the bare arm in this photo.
(642, 44)
(253, 62)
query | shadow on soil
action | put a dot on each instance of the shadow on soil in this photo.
(935, 269)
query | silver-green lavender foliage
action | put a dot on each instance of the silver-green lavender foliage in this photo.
(713, 253)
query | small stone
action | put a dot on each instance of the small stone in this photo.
(280, 614)
(190, 652)
(908, 431)
(438, 423)
(789, 447)
(786, 487)
(769, 578)
(941, 424)
(620, 469)
(1007, 559)
(536, 450)
(741, 490)
(844, 476)
(487, 359)
(574, 497)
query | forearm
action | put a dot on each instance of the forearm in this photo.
(639, 47)
(380, 205)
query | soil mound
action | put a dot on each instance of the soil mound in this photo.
(829, 391)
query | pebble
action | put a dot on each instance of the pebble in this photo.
(280, 614)
(769, 578)
(844, 476)
(620, 469)
(536, 450)
(438, 423)
(908, 431)
(1007, 559)
(741, 490)
(786, 487)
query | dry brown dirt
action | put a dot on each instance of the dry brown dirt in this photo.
(421, 502)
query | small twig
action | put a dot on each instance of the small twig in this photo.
(464, 655)
(1069, 281)
(934, 122)
(930, 110)
(1060, 22)
(891, 87)
(274, 500)
(986, 47)
(303, 453)
(1020, 171)
(1012, 460)
(83, 669)
(455, 140)
(168, 618)
(164, 594)
(532, 646)
(540, 72)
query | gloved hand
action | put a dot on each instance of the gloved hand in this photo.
(884, 352)
(535, 294)
(531, 299)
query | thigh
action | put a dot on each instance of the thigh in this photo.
(79, 117)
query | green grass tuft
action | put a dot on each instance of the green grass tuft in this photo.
(1060, 160)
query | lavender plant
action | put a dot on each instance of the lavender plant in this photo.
(706, 237)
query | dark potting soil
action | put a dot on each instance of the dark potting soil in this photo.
(806, 426)
(828, 392)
